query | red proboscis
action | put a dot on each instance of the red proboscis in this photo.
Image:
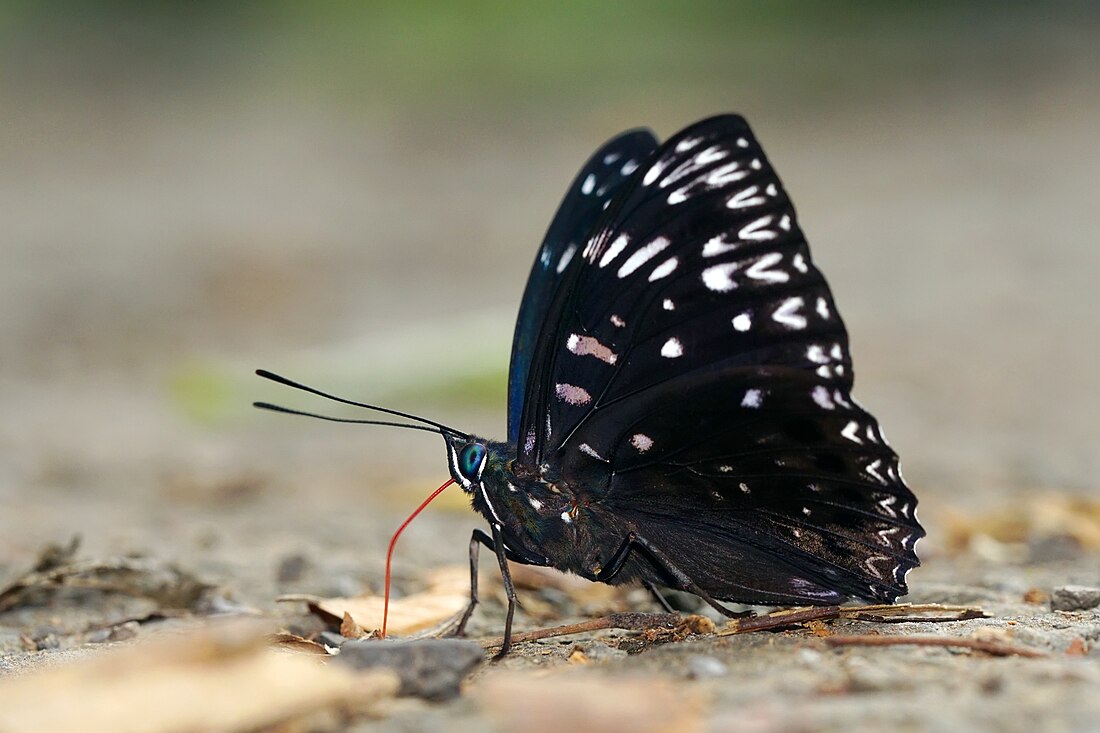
(389, 552)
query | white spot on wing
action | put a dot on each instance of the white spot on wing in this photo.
(753, 398)
(678, 196)
(572, 394)
(711, 155)
(590, 346)
(756, 231)
(643, 255)
(816, 354)
(742, 321)
(654, 172)
(629, 167)
(718, 245)
(687, 144)
(787, 314)
(566, 258)
(535, 503)
(823, 308)
(664, 269)
(745, 198)
(668, 305)
(614, 250)
(723, 174)
(823, 398)
(616, 321)
(799, 263)
(761, 269)
(589, 184)
(566, 518)
(590, 451)
(641, 442)
(672, 348)
(611, 158)
(872, 471)
(719, 278)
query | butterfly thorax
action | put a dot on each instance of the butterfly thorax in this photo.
(542, 518)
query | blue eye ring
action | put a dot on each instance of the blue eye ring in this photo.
(470, 460)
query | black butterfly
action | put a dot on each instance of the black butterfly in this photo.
(679, 398)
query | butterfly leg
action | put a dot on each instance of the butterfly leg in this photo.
(504, 554)
(476, 539)
(658, 597)
(509, 589)
(660, 561)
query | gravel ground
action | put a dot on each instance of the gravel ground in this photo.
(156, 254)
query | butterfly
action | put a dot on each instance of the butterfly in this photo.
(679, 396)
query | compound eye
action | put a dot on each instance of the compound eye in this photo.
(470, 460)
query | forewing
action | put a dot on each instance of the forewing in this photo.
(598, 181)
(699, 263)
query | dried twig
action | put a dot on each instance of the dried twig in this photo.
(628, 621)
(995, 648)
(905, 612)
(780, 619)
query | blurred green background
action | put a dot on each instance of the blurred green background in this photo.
(352, 193)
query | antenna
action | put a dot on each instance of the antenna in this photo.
(438, 427)
(289, 411)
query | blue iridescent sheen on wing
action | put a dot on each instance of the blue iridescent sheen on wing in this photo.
(599, 180)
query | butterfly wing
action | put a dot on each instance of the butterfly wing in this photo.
(698, 351)
(597, 183)
(788, 484)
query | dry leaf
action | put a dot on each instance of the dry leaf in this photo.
(296, 643)
(447, 596)
(223, 677)
(351, 630)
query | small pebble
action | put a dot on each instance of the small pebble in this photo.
(1074, 598)
(700, 667)
(432, 669)
(331, 639)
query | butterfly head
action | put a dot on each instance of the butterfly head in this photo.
(467, 457)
